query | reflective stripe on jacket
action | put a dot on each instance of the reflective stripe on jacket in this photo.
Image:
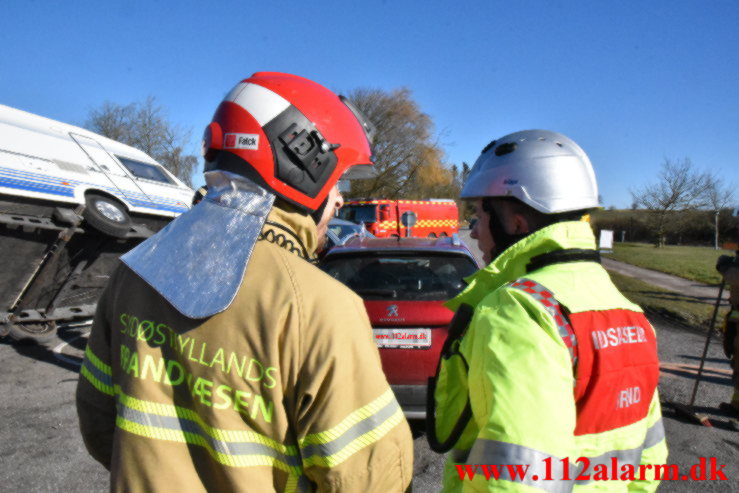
(520, 377)
(283, 391)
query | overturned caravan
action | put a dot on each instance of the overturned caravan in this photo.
(71, 202)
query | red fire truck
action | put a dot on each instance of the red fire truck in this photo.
(383, 217)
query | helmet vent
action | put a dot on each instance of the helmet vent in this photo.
(506, 148)
(487, 147)
(559, 144)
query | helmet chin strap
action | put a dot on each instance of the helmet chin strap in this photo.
(501, 238)
(318, 213)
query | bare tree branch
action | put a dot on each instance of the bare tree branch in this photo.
(718, 196)
(679, 187)
(144, 125)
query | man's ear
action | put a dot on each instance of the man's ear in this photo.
(514, 222)
(520, 224)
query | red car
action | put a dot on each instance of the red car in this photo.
(404, 283)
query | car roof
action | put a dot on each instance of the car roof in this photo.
(402, 245)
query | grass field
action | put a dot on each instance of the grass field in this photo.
(668, 304)
(695, 263)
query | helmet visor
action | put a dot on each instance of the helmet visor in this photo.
(369, 129)
(360, 172)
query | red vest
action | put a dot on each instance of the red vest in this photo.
(614, 357)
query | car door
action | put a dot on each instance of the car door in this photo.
(104, 163)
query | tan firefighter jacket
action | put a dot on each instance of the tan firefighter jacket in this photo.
(282, 391)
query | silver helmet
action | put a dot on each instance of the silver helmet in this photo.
(545, 170)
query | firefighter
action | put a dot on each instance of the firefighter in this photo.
(546, 361)
(728, 267)
(221, 358)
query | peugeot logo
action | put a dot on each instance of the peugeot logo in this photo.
(392, 311)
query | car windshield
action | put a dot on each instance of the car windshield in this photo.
(342, 231)
(358, 213)
(418, 277)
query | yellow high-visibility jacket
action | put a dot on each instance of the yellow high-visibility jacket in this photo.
(282, 391)
(556, 364)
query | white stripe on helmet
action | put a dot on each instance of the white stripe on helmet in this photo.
(262, 103)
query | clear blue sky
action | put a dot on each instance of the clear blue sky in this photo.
(633, 82)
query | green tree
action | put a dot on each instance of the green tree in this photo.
(408, 159)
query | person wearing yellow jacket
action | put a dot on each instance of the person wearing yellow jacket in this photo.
(221, 358)
(548, 367)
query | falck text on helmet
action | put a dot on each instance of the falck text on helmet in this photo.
(241, 141)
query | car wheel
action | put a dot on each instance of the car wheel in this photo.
(432, 235)
(443, 235)
(106, 215)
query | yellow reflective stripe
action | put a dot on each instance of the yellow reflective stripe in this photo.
(486, 451)
(292, 484)
(358, 444)
(181, 436)
(360, 429)
(235, 448)
(351, 420)
(169, 410)
(101, 386)
(97, 362)
(97, 373)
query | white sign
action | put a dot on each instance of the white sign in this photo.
(606, 240)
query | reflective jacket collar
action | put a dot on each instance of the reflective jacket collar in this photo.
(292, 225)
(511, 264)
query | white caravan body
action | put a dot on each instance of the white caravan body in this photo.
(52, 161)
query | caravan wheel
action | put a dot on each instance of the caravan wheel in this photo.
(33, 333)
(106, 215)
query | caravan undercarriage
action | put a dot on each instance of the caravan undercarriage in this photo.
(55, 265)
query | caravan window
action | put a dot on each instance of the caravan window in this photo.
(145, 171)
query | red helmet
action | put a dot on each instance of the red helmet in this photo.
(289, 134)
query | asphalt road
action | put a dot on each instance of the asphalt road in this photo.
(691, 289)
(41, 450)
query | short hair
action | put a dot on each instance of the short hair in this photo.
(536, 219)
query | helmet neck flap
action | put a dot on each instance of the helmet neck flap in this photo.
(197, 262)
